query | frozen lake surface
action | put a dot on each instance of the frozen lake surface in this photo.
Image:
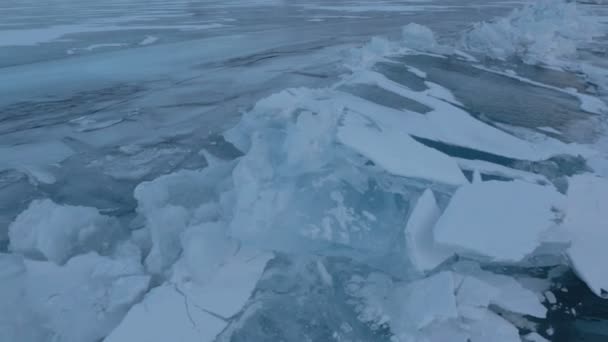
(291, 170)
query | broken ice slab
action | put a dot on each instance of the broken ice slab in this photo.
(164, 315)
(396, 151)
(586, 222)
(83, 300)
(227, 291)
(497, 170)
(501, 221)
(186, 309)
(446, 304)
(447, 123)
(421, 249)
(425, 301)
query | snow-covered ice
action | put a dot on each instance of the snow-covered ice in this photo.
(502, 221)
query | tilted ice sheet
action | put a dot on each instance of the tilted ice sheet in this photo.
(446, 122)
(422, 251)
(412, 159)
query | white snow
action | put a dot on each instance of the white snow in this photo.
(421, 249)
(587, 222)
(502, 221)
(58, 232)
(411, 159)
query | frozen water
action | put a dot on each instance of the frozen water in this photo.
(173, 203)
(80, 301)
(445, 305)
(268, 170)
(502, 221)
(420, 245)
(57, 232)
(423, 162)
(165, 315)
(586, 209)
(544, 32)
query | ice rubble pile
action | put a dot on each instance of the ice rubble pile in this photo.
(318, 162)
(544, 32)
(446, 306)
(77, 276)
(548, 32)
